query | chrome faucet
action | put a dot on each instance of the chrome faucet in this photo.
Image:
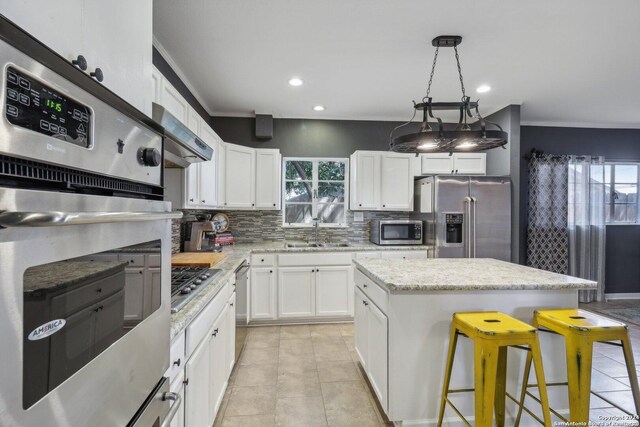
(316, 226)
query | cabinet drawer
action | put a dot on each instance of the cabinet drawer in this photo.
(404, 255)
(134, 260)
(375, 293)
(85, 295)
(198, 328)
(263, 260)
(176, 356)
(320, 258)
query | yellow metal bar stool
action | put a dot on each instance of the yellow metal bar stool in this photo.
(581, 329)
(492, 334)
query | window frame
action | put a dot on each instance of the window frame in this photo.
(314, 191)
(611, 203)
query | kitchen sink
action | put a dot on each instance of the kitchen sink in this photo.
(316, 245)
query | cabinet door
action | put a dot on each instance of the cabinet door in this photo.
(333, 291)
(57, 24)
(134, 295)
(217, 362)
(361, 327)
(296, 292)
(196, 392)
(118, 38)
(470, 163)
(193, 122)
(437, 164)
(367, 181)
(396, 183)
(177, 387)
(263, 293)
(209, 170)
(240, 177)
(109, 321)
(268, 179)
(378, 357)
(192, 181)
(156, 84)
(231, 334)
(174, 102)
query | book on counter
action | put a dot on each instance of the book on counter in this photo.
(224, 239)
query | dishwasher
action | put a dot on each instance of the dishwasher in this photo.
(242, 308)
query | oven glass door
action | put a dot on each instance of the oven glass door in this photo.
(76, 308)
(397, 232)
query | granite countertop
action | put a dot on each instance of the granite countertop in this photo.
(237, 253)
(456, 274)
(63, 274)
(141, 248)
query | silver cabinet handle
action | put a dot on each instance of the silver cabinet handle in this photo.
(54, 219)
(177, 400)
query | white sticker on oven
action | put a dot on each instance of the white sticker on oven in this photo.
(47, 329)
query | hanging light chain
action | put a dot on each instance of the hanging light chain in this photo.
(433, 69)
(455, 48)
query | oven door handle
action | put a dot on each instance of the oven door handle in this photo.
(177, 400)
(55, 219)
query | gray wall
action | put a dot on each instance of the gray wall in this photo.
(623, 241)
(310, 138)
(506, 161)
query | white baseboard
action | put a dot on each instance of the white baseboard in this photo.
(611, 297)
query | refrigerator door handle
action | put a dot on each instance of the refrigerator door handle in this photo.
(467, 227)
(472, 225)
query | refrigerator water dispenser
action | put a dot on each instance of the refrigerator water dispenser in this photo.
(453, 225)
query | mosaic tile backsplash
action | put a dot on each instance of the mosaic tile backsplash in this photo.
(259, 226)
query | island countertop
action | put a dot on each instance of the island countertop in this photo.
(463, 274)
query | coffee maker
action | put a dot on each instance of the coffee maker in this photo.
(201, 235)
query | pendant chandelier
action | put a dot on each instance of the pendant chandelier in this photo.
(432, 137)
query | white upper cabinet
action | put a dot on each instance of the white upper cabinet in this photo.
(365, 175)
(171, 99)
(453, 164)
(240, 176)
(268, 177)
(115, 36)
(381, 181)
(396, 184)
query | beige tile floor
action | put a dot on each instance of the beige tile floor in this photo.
(308, 375)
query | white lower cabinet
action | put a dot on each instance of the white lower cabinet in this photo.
(296, 297)
(262, 298)
(333, 291)
(196, 392)
(209, 365)
(371, 343)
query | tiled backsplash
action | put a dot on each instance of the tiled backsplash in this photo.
(259, 226)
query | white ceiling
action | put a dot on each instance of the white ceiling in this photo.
(570, 62)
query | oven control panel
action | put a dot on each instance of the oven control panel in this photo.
(37, 107)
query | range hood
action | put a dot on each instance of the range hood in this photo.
(181, 146)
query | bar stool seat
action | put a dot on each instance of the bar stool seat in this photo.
(580, 329)
(492, 333)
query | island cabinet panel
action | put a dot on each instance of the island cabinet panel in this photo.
(362, 328)
(373, 291)
(377, 365)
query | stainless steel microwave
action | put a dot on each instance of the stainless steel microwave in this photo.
(396, 232)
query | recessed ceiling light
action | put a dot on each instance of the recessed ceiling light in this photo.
(483, 89)
(318, 108)
(295, 81)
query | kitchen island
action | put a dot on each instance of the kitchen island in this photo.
(403, 311)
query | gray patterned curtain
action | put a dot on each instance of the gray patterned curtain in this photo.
(548, 232)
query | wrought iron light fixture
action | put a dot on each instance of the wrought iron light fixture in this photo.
(432, 137)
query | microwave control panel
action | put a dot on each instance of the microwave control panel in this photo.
(37, 107)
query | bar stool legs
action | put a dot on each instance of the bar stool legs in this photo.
(631, 371)
(492, 334)
(579, 357)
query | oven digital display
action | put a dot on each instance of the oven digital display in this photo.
(35, 106)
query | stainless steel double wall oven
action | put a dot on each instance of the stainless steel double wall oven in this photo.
(84, 249)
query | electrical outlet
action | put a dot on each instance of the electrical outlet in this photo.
(358, 216)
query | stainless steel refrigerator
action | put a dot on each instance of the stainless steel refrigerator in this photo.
(466, 216)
